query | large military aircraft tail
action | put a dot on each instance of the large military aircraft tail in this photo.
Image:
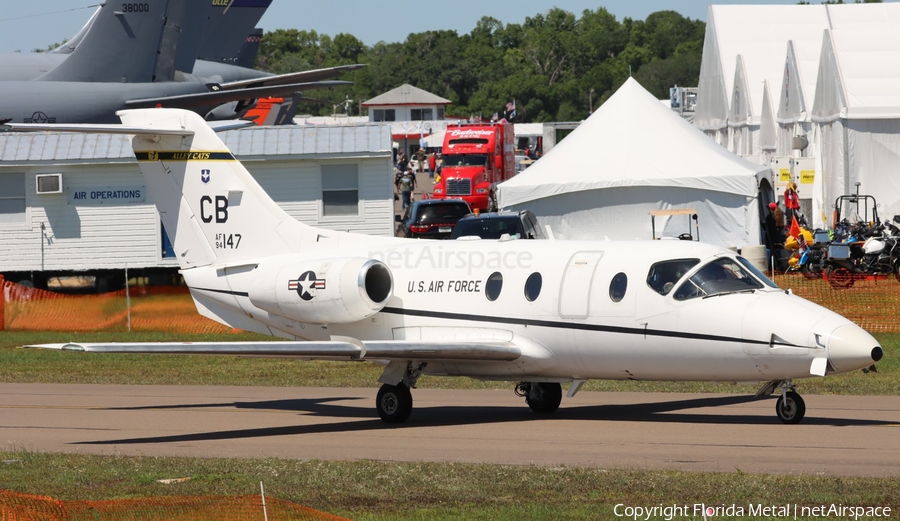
(227, 20)
(132, 42)
(246, 57)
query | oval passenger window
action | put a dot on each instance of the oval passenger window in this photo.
(533, 287)
(493, 286)
(617, 287)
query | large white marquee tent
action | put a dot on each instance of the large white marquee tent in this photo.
(744, 46)
(631, 156)
(747, 45)
(856, 116)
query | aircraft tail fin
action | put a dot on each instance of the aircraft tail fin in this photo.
(73, 42)
(246, 57)
(130, 43)
(228, 27)
(212, 208)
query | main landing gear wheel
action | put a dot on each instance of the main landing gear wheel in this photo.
(394, 403)
(543, 398)
(790, 408)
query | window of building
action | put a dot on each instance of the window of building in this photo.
(12, 198)
(385, 115)
(440, 112)
(340, 190)
(421, 114)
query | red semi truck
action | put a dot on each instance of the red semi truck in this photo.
(476, 157)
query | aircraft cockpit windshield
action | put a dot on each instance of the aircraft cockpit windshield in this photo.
(718, 277)
(665, 275)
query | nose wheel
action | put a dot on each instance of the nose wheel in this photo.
(790, 407)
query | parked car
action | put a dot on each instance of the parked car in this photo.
(492, 225)
(431, 218)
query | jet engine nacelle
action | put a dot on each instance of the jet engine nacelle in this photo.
(326, 291)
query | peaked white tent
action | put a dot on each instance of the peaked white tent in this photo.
(856, 115)
(634, 155)
(758, 33)
(748, 42)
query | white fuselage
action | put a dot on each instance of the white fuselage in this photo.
(572, 329)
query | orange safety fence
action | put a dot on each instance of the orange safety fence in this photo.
(152, 308)
(871, 302)
(25, 507)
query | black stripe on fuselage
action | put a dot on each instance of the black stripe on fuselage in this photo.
(578, 326)
(224, 291)
(552, 324)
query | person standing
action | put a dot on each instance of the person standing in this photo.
(777, 214)
(406, 183)
(432, 165)
(420, 159)
(791, 202)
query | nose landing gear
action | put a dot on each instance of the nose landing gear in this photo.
(790, 407)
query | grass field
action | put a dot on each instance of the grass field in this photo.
(382, 490)
(425, 491)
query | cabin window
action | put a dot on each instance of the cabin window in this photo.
(617, 287)
(340, 190)
(384, 115)
(665, 275)
(493, 286)
(421, 114)
(12, 198)
(721, 276)
(533, 287)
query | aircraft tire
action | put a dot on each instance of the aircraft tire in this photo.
(394, 403)
(544, 398)
(790, 410)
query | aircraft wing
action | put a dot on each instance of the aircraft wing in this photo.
(217, 97)
(293, 77)
(329, 350)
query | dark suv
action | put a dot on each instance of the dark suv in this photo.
(431, 218)
(492, 225)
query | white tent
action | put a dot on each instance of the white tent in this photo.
(748, 42)
(856, 115)
(758, 34)
(631, 156)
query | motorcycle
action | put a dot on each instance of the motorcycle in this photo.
(865, 251)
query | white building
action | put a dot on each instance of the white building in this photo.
(78, 201)
(416, 116)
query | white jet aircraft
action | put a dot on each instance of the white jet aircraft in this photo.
(540, 313)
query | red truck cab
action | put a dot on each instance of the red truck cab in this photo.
(476, 158)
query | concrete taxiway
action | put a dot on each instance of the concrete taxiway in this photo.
(841, 435)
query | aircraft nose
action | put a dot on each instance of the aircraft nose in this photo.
(851, 348)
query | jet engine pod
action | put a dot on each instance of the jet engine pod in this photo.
(326, 291)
